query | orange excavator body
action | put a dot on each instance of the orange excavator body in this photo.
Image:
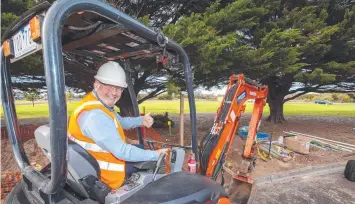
(216, 144)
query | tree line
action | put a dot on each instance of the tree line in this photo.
(280, 43)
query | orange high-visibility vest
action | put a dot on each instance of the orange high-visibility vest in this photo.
(112, 169)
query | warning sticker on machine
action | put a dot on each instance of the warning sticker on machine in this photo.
(241, 96)
(232, 115)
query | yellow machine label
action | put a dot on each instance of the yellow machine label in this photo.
(218, 153)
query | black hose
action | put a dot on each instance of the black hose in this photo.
(210, 140)
(252, 82)
(220, 162)
(227, 103)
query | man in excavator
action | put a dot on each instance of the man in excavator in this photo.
(96, 126)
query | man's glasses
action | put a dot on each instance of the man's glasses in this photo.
(113, 88)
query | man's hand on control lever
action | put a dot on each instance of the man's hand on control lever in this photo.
(148, 120)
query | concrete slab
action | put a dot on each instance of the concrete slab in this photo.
(295, 174)
(311, 188)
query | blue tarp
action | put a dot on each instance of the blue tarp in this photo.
(243, 132)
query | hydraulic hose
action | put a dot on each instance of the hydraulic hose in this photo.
(211, 139)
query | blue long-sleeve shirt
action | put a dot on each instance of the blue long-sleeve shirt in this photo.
(99, 127)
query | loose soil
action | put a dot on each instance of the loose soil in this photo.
(335, 128)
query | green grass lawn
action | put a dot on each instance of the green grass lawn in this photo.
(289, 108)
(155, 106)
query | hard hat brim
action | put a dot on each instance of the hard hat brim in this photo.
(110, 82)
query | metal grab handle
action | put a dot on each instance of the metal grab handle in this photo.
(160, 159)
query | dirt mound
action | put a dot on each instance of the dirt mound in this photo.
(8, 182)
(33, 152)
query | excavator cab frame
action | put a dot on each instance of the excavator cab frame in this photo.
(56, 31)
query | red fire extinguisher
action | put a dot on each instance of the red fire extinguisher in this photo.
(191, 164)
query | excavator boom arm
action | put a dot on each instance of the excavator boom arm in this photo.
(217, 142)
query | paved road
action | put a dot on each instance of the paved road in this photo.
(325, 189)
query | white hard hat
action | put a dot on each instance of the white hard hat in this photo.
(112, 73)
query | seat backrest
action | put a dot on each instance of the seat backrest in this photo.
(80, 163)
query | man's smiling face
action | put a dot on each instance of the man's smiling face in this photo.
(109, 94)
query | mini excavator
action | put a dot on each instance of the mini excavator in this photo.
(75, 37)
(215, 145)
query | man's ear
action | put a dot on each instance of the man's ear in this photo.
(96, 85)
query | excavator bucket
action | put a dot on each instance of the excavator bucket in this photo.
(239, 191)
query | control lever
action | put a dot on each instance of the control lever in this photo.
(149, 141)
(160, 160)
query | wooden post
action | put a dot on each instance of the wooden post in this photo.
(181, 119)
(169, 125)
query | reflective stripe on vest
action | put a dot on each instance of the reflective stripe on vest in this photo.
(110, 166)
(86, 145)
(82, 106)
(95, 148)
